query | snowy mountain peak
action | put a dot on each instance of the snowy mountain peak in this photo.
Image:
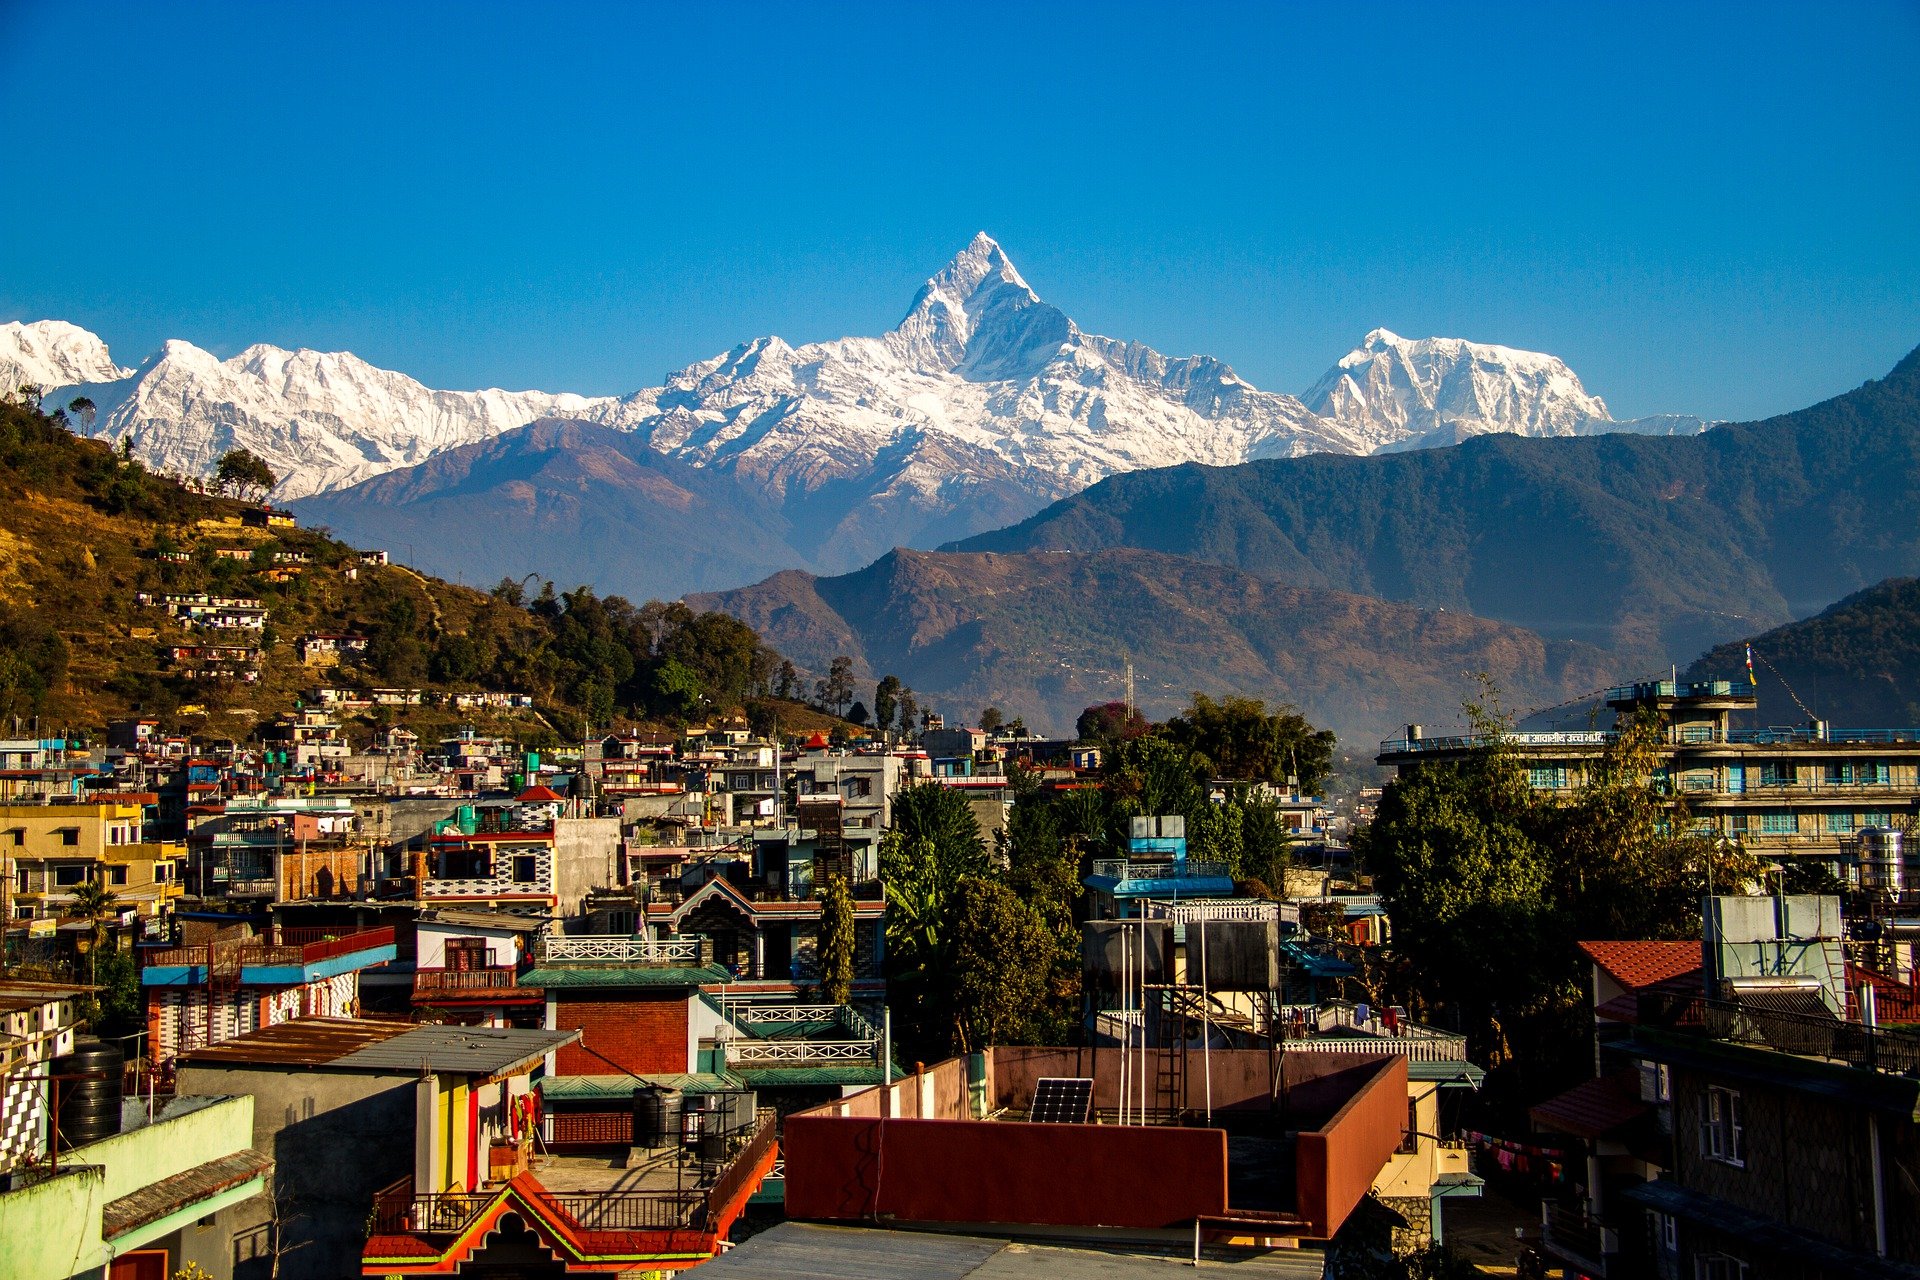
(53, 353)
(1441, 390)
(977, 311)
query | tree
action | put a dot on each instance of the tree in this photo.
(1109, 724)
(886, 701)
(245, 473)
(1240, 739)
(787, 683)
(933, 845)
(836, 945)
(858, 714)
(1002, 963)
(92, 901)
(835, 690)
(84, 409)
(909, 711)
(991, 719)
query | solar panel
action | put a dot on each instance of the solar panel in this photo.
(1061, 1100)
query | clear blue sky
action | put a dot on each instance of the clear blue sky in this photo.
(1714, 209)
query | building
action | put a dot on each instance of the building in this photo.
(330, 648)
(348, 1109)
(1744, 1119)
(988, 1145)
(235, 981)
(1800, 792)
(47, 851)
(468, 963)
(37, 1025)
(134, 1205)
(767, 940)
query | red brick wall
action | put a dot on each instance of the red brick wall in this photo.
(640, 1032)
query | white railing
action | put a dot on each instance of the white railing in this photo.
(801, 1053)
(1124, 869)
(622, 949)
(1192, 909)
(782, 1015)
(1437, 1047)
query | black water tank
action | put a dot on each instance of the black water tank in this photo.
(89, 1092)
(656, 1116)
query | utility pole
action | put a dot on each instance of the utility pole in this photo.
(1129, 662)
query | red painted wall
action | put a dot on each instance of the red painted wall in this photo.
(1335, 1165)
(983, 1171)
(639, 1032)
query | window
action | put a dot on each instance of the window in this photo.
(116, 875)
(1874, 819)
(1776, 775)
(524, 865)
(68, 876)
(1721, 1137)
(1664, 1229)
(23, 913)
(1547, 777)
(1839, 824)
(1655, 1085)
(69, 836)
(1739, 821)
(1863, 773)
(1777, 824)
(1718, 1266)
(18, 835)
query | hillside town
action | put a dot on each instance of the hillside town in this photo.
(342, 1001)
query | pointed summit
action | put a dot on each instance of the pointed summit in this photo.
(974, 295)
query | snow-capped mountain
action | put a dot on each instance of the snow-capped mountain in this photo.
(1432, 392)
(981, 406)
(322, 420)
(53, 353)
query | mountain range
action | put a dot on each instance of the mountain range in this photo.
(981, 406)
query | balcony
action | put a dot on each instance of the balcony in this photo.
(398, 1211)
(288, 956)
(1890, 1050)
(495, 984)
(622, 949)
(1193, 910)
(1125, 870)
(1335, 1028)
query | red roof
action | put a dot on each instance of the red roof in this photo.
(1593, 1108)
(1641, 964)
(817, 740)
(539, 795)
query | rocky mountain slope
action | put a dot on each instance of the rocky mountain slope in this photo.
(1651, 547)
(981, 406)
(1048, 634)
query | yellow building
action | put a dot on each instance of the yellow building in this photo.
(49, 850)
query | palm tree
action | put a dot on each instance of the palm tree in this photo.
(93, 900)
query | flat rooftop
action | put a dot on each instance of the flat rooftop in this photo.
(361, 1044)
(870, 1253)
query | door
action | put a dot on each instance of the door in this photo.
(141, 1264)
(464, 955)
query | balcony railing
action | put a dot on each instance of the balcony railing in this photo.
(1895, 1051)
(429, 983)
(1576, 1238)
(620, 949)
(1126, 869)
(1191, 910)
(750, 1054)
(294, 947)
(398, 1211)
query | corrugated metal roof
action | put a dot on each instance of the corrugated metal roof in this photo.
(548, 976)
(463, 1050)
(304, 1042)
(793, 1077)
(475, 918)
(862, 1253)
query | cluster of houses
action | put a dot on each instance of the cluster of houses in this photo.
(460, 1008)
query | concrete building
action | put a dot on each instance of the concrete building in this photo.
(49, 850)
(1805, 791)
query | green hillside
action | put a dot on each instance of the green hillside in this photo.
(87, 531)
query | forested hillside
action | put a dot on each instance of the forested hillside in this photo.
(88, 530)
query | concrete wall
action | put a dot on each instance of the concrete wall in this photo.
(1335, 1165)
(586, 854)
(52, 1229)
(430, 943)
(335, 1138)
(983, 1172)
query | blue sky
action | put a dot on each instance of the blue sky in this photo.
(1710, 209)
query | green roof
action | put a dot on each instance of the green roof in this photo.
(793, 1077)
(602, 1088)
(621, 976)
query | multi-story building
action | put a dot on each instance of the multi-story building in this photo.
(1806, 791)
(47, 851)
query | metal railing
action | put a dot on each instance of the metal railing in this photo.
(801, 1053)
(1190, 910)
(1480, 741)
(1895, 1051)
(620, 949)
(1125, 869)
(1577, 1238)
(295, 947)
(398, 1211)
